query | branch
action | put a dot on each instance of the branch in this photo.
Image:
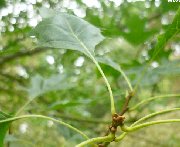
(64, 116)
(12, 43)
(10, 91)
(125, 106)
(12, 78)
(22, 53)
(84, 120)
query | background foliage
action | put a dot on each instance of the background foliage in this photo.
(67, 83)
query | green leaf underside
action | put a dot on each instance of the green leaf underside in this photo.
(40, 85)
(67, 32)
(109, 62)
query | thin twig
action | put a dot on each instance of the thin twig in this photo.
(85, 120)
(125, 106)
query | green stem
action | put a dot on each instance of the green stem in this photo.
(44, 117)
(113, 111)
(108, 138)
(151, 99)
(130, 129)
(126, 79)
(154, 114)
(99, 68)
(119, 138)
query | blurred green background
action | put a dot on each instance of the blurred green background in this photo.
(74, 90)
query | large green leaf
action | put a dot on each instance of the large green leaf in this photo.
(3, 127)
(67, 32)
(109, 67)
(40, 85)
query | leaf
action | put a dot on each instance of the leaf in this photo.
(173, 29)
(40, 85)
(3, 127)
(135, 27)
(115, 66)
(109, 67)
(66, 31)
(167, 6)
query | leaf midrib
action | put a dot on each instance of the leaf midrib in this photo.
(76, 37)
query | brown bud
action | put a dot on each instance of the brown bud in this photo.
(120, 118)
(115, 119)
(113, 129)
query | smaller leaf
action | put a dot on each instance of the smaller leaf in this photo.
(163, 39)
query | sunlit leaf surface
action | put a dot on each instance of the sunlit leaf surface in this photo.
(66, 31)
